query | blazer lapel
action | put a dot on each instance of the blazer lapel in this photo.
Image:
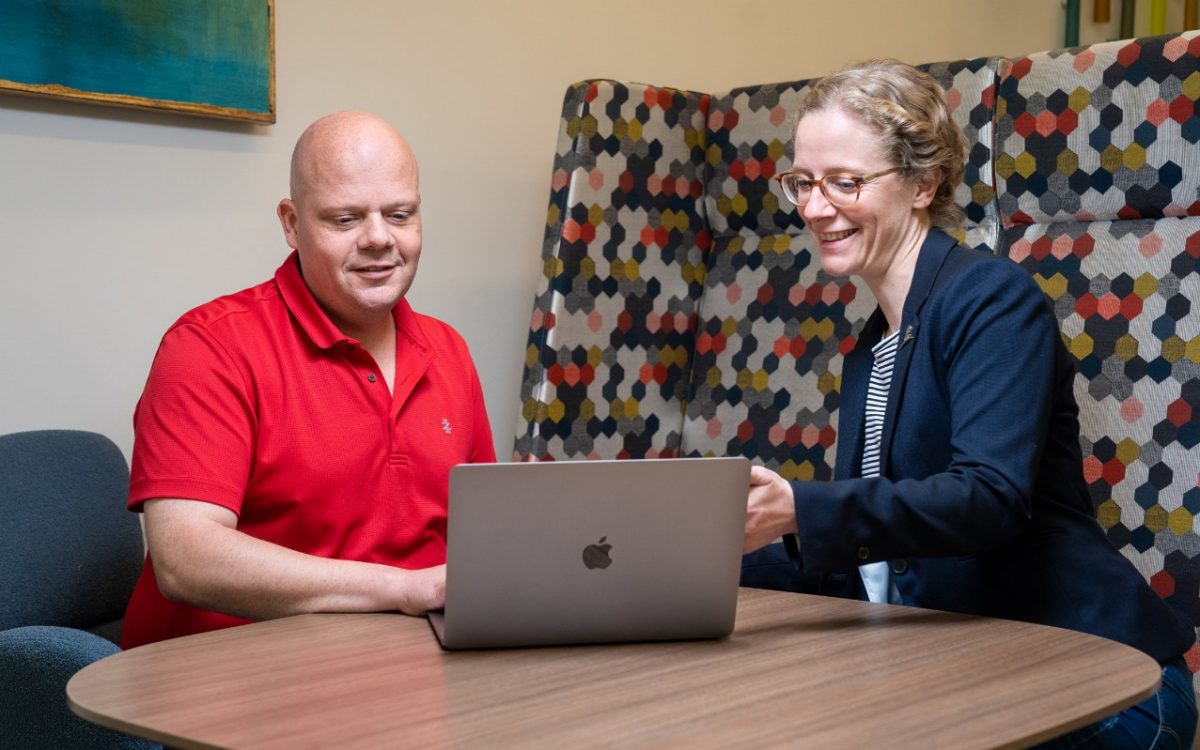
(932, 256)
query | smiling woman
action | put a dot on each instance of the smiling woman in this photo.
(214, 58)
(959, 481)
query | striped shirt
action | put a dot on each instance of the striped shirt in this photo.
(876, 576)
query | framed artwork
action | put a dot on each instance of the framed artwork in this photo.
(213, 58)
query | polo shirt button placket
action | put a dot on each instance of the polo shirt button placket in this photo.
(370, 377)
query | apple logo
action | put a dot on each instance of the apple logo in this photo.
(596, 555)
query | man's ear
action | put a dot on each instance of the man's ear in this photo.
(288, 218)
(927, 185)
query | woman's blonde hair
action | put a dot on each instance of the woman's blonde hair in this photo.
(907, 108)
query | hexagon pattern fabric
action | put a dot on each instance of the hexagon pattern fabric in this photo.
(1127, 295)
(613, 325)
(643, 178)
(682, 309)
(1109, 131)
(1098, 180)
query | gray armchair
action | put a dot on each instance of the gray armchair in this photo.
(71, 554)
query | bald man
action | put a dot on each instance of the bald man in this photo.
(294, 440)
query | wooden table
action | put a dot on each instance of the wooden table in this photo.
(798, 671)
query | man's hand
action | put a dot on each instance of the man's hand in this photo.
(770, 509)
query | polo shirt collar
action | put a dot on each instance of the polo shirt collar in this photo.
(317, 325)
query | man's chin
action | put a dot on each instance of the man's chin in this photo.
(381, 303)
(383, 295)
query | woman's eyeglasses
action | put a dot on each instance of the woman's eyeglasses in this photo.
(839, 188)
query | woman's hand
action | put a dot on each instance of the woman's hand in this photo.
(770, 509)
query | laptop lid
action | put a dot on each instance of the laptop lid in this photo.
(593, 551)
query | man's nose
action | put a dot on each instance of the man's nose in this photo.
(375, 234)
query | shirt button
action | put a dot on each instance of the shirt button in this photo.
(899, 567)
(864, 553)
(370, 377)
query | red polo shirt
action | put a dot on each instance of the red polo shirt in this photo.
(257, 403)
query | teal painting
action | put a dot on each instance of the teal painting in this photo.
(206, 57)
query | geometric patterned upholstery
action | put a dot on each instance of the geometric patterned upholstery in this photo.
(971, 94)
(1109, 131)
(682, 310)
(612, 331)
(764, 383)
(1098, 177)
(1127, 296)
(644, 179)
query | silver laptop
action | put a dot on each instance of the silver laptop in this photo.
(571, 552)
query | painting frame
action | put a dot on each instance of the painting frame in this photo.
(231, 77)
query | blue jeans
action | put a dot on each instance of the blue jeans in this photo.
(1164, 721)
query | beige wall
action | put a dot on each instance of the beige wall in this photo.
(114, 222)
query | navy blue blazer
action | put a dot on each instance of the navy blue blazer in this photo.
(982, 507)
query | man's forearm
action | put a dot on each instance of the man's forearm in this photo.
(201, 558)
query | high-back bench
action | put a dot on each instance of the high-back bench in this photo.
(682, 310)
